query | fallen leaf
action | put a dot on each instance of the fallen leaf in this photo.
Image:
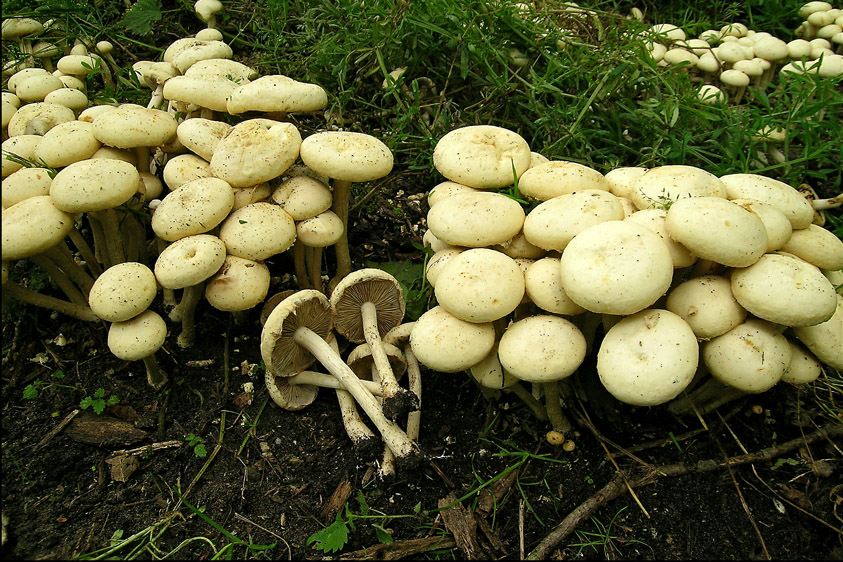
(122, 467)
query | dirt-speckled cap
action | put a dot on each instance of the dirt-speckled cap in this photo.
(482, 156)
(123, 291)
(346, 155)
(138, 337)
(94, 185)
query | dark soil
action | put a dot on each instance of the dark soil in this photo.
(277, 477)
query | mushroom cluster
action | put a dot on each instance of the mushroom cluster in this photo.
(672, 262)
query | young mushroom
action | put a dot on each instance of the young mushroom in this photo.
(138, 338)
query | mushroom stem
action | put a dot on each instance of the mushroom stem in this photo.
(415, 381)
(154, 375)
(186, 308)
(329, 381)
(60, 278)
(74, 310)
(708, 396)
(558, 421)
(341, 194)
(168, 296)
(299, 264)
(100, 243)
(537, 408)
(406, 451)
(87, 253)
(113, 239)
(396, 400)
(61, 256)
(830, 203)
(366, 443)
(313, 257)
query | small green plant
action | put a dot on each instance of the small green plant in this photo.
(35, 388)
(198, 445)
(98, 402)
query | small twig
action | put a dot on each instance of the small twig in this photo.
(141, 450)
(53, 432)
(521, 527)
(250, 522)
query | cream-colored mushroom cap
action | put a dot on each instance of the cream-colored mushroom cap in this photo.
(776, 223)
(212, 93)
(255, 151)
(80, 65)
(346, 155)
(325, 229)
(751, 357)
(189, 261)
(553, 223)
(482, 156)
(616, 267)
(648, 358)
(38, 118)
(94, 185)
(476, 219)
(190, 54)
(36, 87)
(222, 68)
(622, 180)
(138, 337)
(663, 184)
(21, 75)
(490, 374)
(247, 195)
(7, 109)
(444, 190)
(258, 231)
(123, 291)
(825, 340)
(543, 284)
(437, 263)
(559, 177)
(185, 168)
(716, 229)
(654, 220)
(442, 342)
(201, 136)
(23, 146)
(480, 285)
(32, 226)
(196, 207)
(785, 289)
(707, 304)
(71, 98)
(773, 192)
(277, 92)
(25, 183)
(429, 240)
(124, 154)
(240, 284)
(129, 126)
(303, 197)
(816, 245)
(67, 143)
(804, 366)
(519, 247)
(542, 348)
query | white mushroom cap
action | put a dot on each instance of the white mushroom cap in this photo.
(773, 192)
(189, 261)
(519, 247)
(32, 226)
(654, 219)
(129, 126)
(123, 291)
(542, 348)
(776, 223)
(543, 284)
(240, 284)
(38, 118)
(71, 98)
(94, 185)
(825, 340)
(480, 285)
(664, 184)
(325, 229)
(303, 197)
(201, 136)
(23, 74)
(559, 177)
(277, 92)
(621, 181)
(476, 219)
(616, 267)
(25, 183)
(553, 223)
(258, 231)
(256, 151)
(648, 358)
(437, 263)
(124, 154)
(804, 366)
(222, 68)
(816, 245)
(212, 93)
(346, 156)
(750, 368)
(23, 146)
(138, 337)
(785, 289)
(36, 87)
(247, 195)
(716, 229)
(191, 53)
(196, 207)
(444, 190)
(707, 304)
(444, 343)
(490, 374)
(184, 168)
(67, 143)
(482, 156)
(79, 64)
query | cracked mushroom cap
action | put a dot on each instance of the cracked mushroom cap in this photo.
(553, 223)
(138, 337)
(240, 284)
(716, 229)
(707, 304)
(476, 219)
(123, 291)
(559, 177)
(669, 183)
(616, 267)
(480, 285)
(648, 358)
(130, 126)
(785, 289)
(542, 348)
(347, 156)
(751, 357)
(194, 208)
(366, 285)
(256, 151)
(282, 356)
(773, 192)
(442, 342)
(189, 261)
(94, 185)
(258, 231)
(482, 156)
(277, 92)
(32, 226)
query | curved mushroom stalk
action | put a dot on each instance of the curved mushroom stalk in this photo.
(366, 443)
(706, 398)
(294, 336)
(72, 309)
